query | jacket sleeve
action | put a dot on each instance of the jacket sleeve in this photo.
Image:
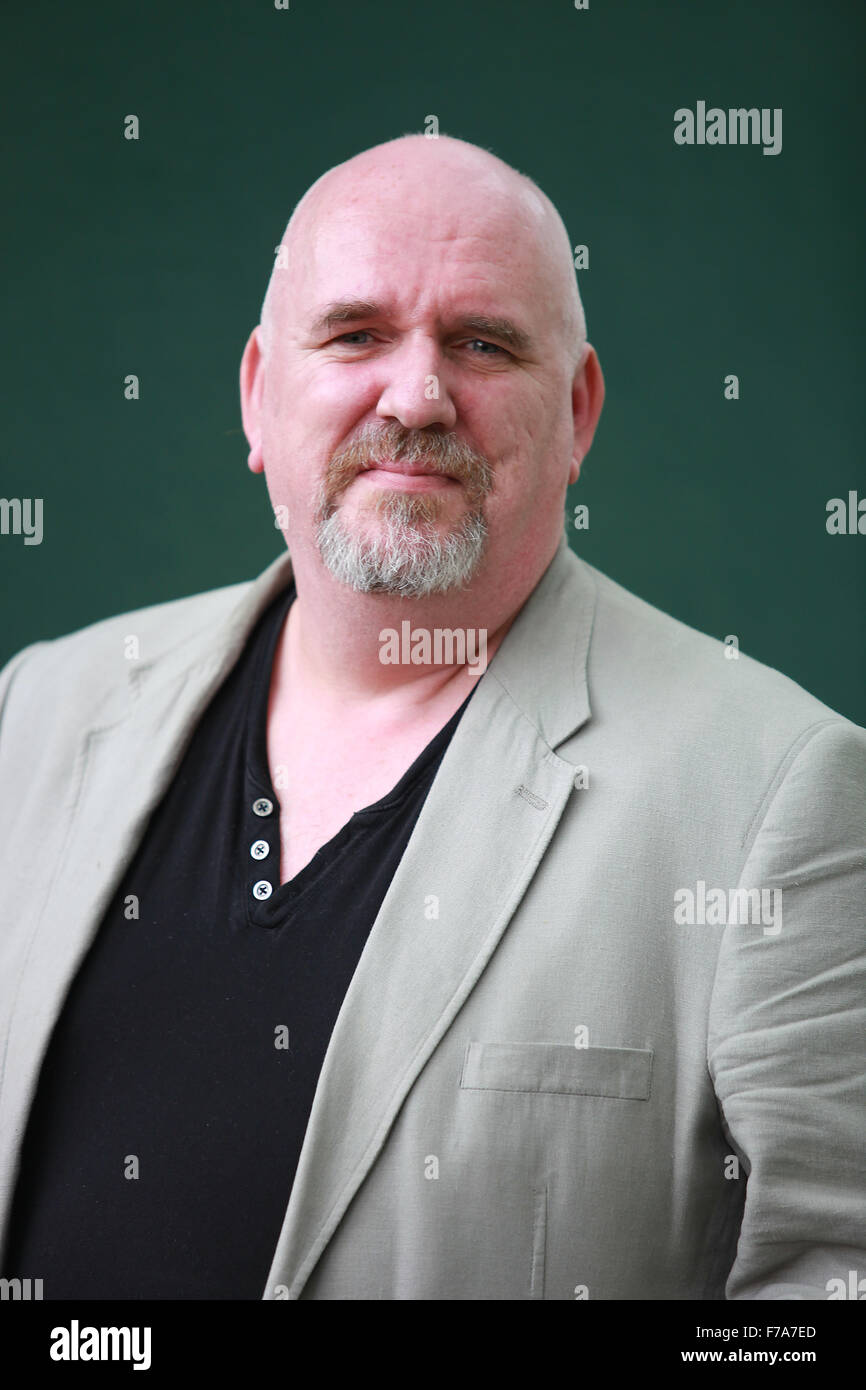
(787, 1030)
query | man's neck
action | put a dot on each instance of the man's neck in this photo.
(349, 650)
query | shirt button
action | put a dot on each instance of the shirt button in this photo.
(262, 889)
(260, 849)
(263, 806)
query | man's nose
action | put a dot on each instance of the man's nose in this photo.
(416, 390)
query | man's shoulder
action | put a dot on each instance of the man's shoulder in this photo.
(161, 626)
(158, 627)
(669, 666)
(94, 660)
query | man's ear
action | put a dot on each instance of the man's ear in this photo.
(252, 389)
(587, 399)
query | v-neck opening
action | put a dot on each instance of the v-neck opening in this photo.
(286, 897)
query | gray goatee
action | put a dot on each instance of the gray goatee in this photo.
(407, 555)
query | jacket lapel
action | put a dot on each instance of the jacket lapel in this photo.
(484, 827)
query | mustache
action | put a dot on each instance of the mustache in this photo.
(445, 453)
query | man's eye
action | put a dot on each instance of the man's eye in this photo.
(356, 333)
(492, 347)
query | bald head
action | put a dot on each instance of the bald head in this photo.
(421, 382)
(450, 173)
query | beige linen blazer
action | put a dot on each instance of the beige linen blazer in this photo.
(606, 1037)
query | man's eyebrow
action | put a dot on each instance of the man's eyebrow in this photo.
(503, 329)
(343, 311)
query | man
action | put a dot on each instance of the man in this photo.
(340, 967)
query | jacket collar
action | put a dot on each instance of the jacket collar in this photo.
(542, 662)
(215, 645)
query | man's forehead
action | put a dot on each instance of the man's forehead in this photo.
(399, 224)
(434, 265)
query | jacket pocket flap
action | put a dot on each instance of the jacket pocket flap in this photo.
(621, 1072)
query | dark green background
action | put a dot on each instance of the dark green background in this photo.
(152, 257)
